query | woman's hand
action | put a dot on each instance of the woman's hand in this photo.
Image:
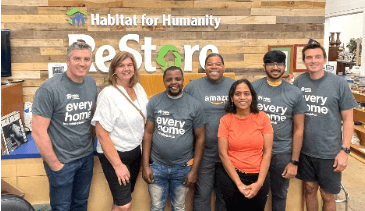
(244, 189)
(122, 173)
(254, 189)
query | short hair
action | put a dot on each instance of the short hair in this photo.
(173, 68)
(116, 61)
(231, 107)
(313, 46)
(212, 55)
(274, 56)
(78, 46)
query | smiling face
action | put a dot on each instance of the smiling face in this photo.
(78, 65)
(174, 82)
(314, 60)
(214, 68)
(124, 71)
(242, 97)
(274, 71)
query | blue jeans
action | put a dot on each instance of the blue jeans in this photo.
(70, 186)
(205, 185)
(168, 180)
(279, 185)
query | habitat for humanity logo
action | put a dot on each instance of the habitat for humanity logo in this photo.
(162, 53)
(77, 16)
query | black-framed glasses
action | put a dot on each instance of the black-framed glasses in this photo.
(275, 63)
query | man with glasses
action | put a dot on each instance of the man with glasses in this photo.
(285, 105)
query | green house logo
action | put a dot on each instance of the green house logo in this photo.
(77, 17)
(162, 53)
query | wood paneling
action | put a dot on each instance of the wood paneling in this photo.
(39, 31)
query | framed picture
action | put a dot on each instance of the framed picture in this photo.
(56, 68)
(288, 50)
(13, 134)
(298, 61)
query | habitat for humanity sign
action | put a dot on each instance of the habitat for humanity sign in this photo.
(100, 59)
(133, 20)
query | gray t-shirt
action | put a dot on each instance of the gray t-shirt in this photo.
(69, 105)
(213, 97)
(175, 121)
(280, 104)
(326, 98)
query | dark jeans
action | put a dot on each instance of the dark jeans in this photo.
(279, 185)
(205, 186)
(234, 199)
(69, 187)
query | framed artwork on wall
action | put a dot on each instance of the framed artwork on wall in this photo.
(298, 61)
(56, 68)
(289, 52)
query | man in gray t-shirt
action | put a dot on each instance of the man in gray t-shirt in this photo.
(212, 93)
(285, 105)
(325, 149)
(174, 119)
(62, 113)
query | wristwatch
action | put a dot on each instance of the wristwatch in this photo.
(294, 162)
(347, 150)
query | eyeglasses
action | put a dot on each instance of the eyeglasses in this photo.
(275, 63)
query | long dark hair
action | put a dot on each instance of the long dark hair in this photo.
(231, 107)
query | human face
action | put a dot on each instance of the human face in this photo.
(174, 82)
(125, 71)
(314, 60)
(17, 130)
(242, 97)
(78, 65)
(214, 69)
(274, 71)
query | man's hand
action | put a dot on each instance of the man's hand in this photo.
(290, 171)
(191, 179)
(147, 175)
(122, 173)
(341, 161)
(57, 166)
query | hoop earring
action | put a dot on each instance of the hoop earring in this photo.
(114, 75)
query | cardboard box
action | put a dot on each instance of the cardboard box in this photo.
(7, 188)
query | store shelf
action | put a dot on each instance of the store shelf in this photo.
(359, 115)
(358, 152)
(360, 98)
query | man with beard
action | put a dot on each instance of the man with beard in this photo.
(285, 105)
(174, 119)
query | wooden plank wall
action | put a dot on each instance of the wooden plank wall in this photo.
(39, 31)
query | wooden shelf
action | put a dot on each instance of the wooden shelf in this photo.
(359, 97)
(359, 115)
(360, 128)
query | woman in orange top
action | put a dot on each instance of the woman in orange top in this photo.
(245, 138)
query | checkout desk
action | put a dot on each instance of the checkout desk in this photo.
(23, 168)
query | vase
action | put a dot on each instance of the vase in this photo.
(338, 42)
(332, 41)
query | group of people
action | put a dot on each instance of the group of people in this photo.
(231, 138)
